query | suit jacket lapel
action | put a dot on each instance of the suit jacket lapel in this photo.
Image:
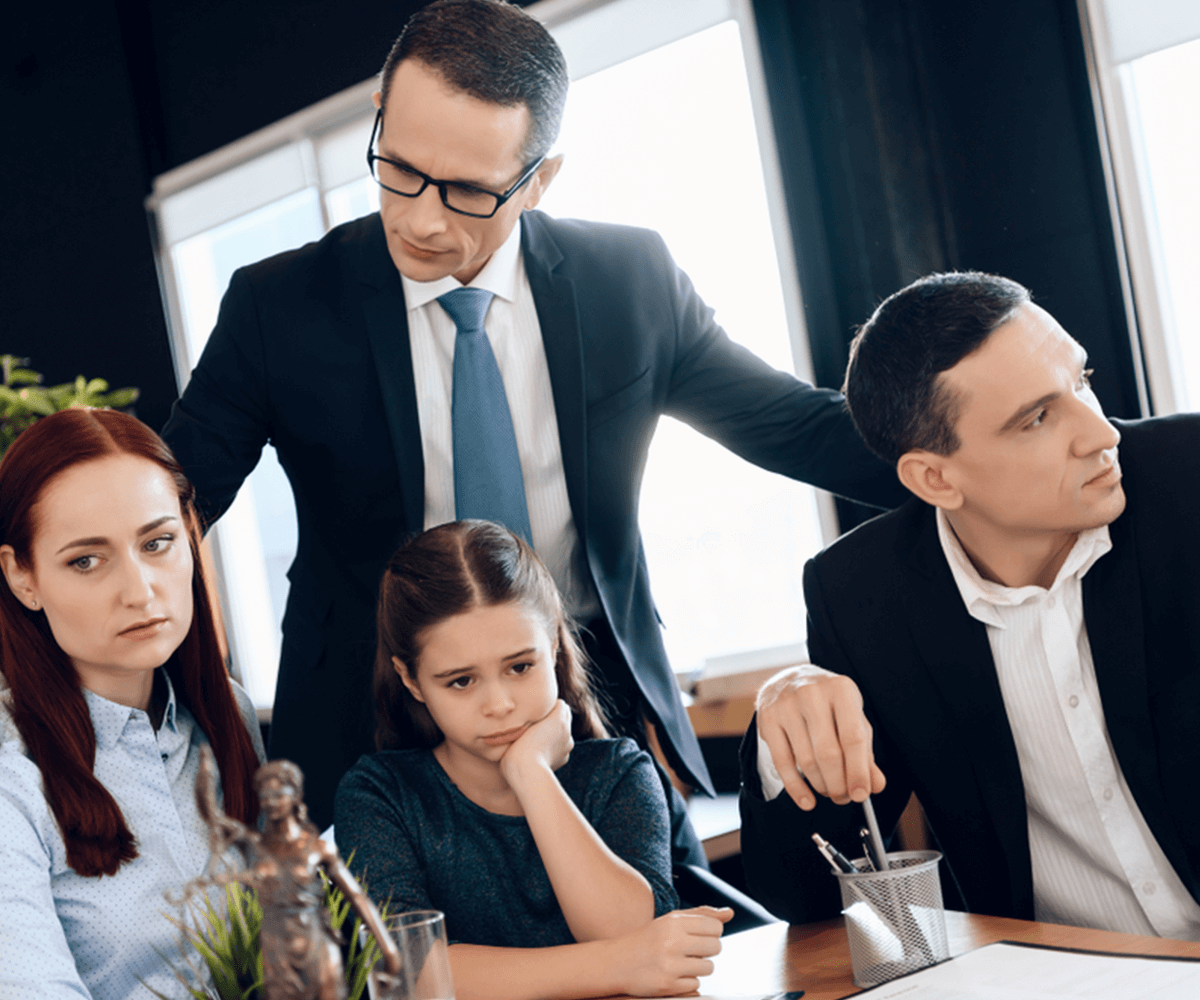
(958, 656)
(558, 316)
(1112, 610)
(387, 330)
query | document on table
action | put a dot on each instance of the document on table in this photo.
(1009, 971)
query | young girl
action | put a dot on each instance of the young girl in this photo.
(549, 858)
(112, 682)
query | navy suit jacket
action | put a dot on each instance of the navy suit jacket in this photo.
(884, 609)
(310, 352)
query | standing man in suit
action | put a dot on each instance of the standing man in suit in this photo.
(1025, 632)
(345, 355)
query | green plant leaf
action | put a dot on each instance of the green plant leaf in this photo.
(23, 376)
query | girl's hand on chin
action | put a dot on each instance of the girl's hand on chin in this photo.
(547, 742)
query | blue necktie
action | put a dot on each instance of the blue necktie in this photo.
(487, 469)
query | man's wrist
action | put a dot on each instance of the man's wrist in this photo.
(768, 774)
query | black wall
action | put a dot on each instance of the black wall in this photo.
(922, 135)
(98, 98)
(915, 134)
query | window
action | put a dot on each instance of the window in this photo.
(662, 130)
(1145, 61)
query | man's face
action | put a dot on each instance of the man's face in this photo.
(452, 136)
(1037, 457)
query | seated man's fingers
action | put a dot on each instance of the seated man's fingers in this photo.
(878, 779)
(854, 739)
(781, 742)
(828, 766)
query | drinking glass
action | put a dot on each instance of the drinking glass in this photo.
(425, 959)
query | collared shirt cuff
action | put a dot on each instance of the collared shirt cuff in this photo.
(768, 776)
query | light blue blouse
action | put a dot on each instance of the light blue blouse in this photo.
(65, 936)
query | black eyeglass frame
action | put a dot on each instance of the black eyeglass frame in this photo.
(426, 180)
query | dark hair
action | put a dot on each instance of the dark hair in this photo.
(48, 705)
(896, 398)
(448, 570)
(493, 51)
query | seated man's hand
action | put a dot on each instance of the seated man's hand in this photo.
(813, 723)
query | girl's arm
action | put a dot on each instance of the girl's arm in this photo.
(665, 957)
(601, 895)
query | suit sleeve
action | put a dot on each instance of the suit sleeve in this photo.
(784, 870)
(219, 425)
(766, 416)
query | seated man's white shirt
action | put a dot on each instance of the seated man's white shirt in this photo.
(515, 334)
(1095, 861)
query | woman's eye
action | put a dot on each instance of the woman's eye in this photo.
(459, 683)
(160, 544)
(521, 668)
(1085, 378)
(1037, 421)
(84, 563)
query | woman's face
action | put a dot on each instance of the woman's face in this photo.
(112, 570)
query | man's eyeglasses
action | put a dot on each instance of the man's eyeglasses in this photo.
(465, 199)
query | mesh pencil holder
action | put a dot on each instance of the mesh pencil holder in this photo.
(894, 919)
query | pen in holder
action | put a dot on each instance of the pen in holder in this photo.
(894, 918)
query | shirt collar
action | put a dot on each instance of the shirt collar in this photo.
(499, 276)
(109, 718)
(984, 598)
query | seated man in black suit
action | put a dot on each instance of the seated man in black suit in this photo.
(1025, 633)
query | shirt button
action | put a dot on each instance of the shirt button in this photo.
(1050, 602)
(1073, 701)
(1108, 795)
(165, 757)
(1148, 888)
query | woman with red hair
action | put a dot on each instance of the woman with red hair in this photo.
(112, 680)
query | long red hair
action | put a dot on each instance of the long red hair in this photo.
(47, 701)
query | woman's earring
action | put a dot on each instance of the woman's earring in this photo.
(33, 604)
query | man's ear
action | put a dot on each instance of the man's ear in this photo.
(542, 179)
(20, 580)
(409, 681)
(929, 477)
(377, 99)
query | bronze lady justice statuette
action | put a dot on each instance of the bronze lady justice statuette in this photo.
(301, 957)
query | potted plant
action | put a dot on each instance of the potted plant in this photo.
(23, 398)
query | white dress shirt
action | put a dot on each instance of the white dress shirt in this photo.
(1095, 861)
(63, 935)
(515, 334)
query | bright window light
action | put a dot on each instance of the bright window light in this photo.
(1163, 93)
(667, 141)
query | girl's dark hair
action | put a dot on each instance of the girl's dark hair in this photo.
(444, 572)
(48, 705)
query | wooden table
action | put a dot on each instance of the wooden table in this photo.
(816, 957)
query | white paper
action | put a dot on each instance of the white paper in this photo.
(1011, 972)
